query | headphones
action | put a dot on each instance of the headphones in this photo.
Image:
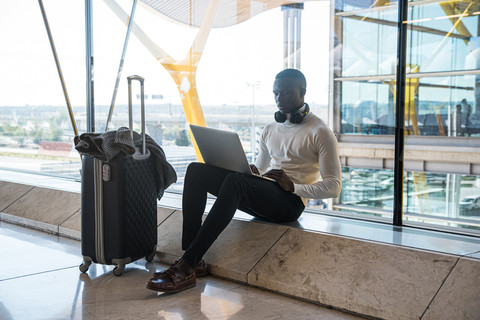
(295, 117)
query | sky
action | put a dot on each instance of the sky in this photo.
(234, 57)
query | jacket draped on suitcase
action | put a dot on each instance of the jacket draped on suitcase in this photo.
(106, 146)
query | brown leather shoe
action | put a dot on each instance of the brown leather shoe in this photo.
(174, 280)
(201, 270)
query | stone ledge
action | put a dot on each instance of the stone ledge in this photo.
(11, 192)
(378, 280)
(364, 277)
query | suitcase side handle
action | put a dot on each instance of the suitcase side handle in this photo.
(142, 104)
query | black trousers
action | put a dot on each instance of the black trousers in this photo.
(258, 197)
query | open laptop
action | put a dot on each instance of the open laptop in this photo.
(222, 149)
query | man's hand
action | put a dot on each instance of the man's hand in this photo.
(281, 178)
(254, 169)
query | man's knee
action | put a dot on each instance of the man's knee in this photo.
(234, 180)
(194, 167)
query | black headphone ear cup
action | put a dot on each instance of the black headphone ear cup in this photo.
(296, 117)
(280, 117)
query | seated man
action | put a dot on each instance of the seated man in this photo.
(294, 151)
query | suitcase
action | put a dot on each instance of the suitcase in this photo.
(119, 205)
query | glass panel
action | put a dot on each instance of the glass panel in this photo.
(35, 129)
(443, 41)
(443, 106)
(369, 46)
(368, 108)
(363, 5)
(448, 200)
(364, 66)
(366, 192)
(443, 36)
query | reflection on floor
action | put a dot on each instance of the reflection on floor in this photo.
(39, 279)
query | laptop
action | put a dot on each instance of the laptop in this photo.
(222, 149)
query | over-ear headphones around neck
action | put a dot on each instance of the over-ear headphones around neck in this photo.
(296, 117)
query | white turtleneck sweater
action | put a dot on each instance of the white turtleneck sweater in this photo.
(307, 152)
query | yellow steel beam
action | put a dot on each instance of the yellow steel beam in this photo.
(456, 18)
(183, 72)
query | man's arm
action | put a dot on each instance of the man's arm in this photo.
(263, 159)
(330, 169)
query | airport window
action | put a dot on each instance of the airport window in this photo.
(442, 116)
(348, 52)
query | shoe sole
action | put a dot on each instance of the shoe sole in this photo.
(169, 290)
(198, 275)
(201, 274)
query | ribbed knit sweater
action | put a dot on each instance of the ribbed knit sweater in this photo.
(307, 152)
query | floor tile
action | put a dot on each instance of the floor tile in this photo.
(34, 252)
(50, 295)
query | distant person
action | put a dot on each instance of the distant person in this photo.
(295, 150)
(458, 121)
(466, 110)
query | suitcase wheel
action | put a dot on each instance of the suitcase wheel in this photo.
(150, 257)
(85, 265)
(118, 270)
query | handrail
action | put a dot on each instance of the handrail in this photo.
(59, 69)
(120, 67)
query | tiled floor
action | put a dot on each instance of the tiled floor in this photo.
(39, 279)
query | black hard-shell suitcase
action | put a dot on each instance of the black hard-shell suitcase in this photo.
(119, 206)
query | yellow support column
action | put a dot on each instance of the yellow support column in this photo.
(183, 72)
(186, 85)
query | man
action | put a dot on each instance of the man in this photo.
(467, 110)
(294, 151)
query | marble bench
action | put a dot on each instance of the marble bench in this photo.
(365, 277)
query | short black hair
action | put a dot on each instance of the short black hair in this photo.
(294, 74)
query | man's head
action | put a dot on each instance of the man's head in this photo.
(289, 90)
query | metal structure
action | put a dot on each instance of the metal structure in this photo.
(120, 67)
(59, 68)
(400, 114)
(89, 66)
(292, 35)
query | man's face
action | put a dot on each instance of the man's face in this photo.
(288, 95)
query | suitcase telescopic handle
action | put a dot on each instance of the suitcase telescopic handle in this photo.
(142, 104)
